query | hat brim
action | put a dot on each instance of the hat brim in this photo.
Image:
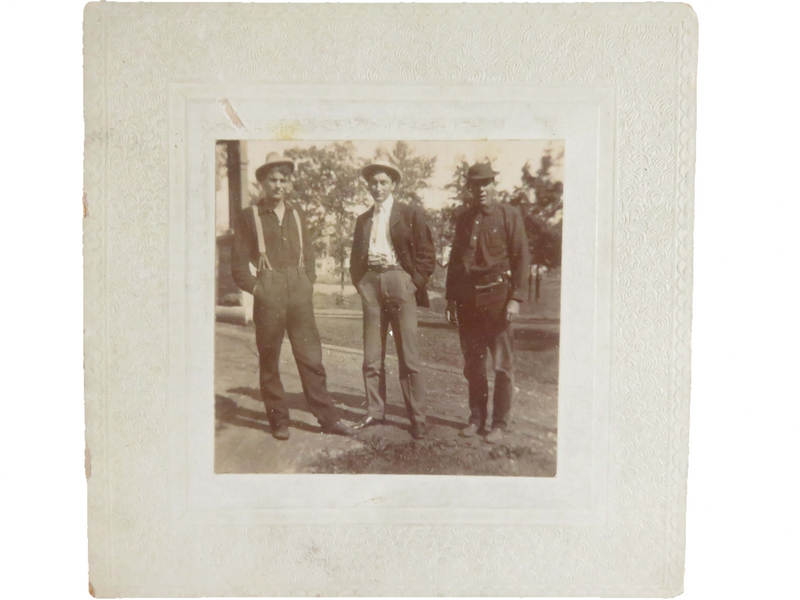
(370, 170)
(262, 170)
(483, 176)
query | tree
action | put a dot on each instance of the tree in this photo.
(544, 213)
(221, 164)
(416, 170)
(443, 220)
(326, 187)
(458, 184)
(547, 194)
(540, 199)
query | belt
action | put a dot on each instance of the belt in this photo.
(384, 268)
(286, 269)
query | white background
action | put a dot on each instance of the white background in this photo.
(743, 462)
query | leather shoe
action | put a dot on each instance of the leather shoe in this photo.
(469, 431)
(337, 428)
(419, 431)
(495, 435)
(280, 432)
(368, 422)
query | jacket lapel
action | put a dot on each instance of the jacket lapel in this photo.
(398, 229)
(395, 219)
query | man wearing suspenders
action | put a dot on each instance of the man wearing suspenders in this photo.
(272, 236)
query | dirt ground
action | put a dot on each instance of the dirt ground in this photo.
(244, 443)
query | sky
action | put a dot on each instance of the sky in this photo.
(507, 158)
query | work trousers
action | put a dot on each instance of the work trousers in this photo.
(283, 304)
(483, 331)
(388, 298)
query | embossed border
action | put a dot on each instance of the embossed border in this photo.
(647, 53)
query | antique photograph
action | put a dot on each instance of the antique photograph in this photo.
(388, 300)
(388, 307)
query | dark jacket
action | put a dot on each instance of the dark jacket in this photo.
(412, 241)
(501, 247)
(245, 245)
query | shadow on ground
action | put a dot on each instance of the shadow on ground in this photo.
(228, 412)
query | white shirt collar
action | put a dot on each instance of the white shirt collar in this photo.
(385, 205)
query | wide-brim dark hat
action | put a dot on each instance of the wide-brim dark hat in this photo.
(481, 172)
(273, 160)
(380, 166)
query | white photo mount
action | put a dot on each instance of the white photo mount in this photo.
(164, 82)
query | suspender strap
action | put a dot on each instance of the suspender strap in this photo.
(263, 261)
(299, 235)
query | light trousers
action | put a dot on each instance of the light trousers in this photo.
(388, 299)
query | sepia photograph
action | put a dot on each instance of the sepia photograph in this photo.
(343, 333)
(345, 336)
(388, 307)
(129, 434)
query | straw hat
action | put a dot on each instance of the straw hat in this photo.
(382, 167)
(273, 159)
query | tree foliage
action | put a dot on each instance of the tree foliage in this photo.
(540, 199)
(325, 185)
(416, 170)
(442, 220)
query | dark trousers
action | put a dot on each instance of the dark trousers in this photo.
(389, 299)
(283, 304)
(483, 331)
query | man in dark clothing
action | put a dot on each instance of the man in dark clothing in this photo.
(272, 236)
(392, 258)
(486, 278)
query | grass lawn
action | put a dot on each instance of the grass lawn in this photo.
(535, 348)
(329, 302)
(548, 306)
(441, 457)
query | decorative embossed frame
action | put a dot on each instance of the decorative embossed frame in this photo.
(153, 77)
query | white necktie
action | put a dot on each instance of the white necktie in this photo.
(380, 211)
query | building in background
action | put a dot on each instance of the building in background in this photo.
(232, 193)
